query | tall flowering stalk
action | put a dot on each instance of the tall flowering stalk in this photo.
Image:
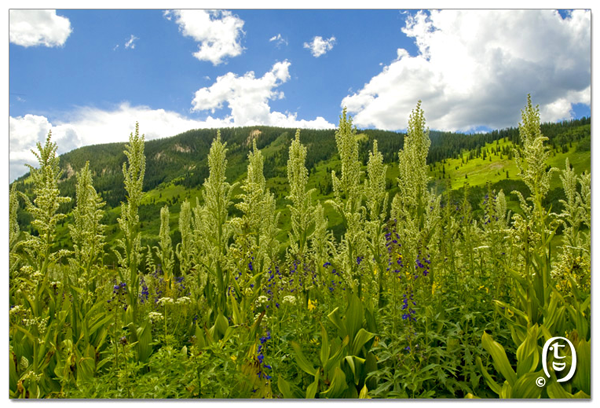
(87, 230)
(302, 217)
(129, 248)
(39, 249)
(184, 249)
(256, 229)
(411, 202)
(348, 202)
(415, 210)
(302, 209)
(574, 261)
(532, 232)
(30, 338)
(495, 249)
(14, 232)
(213, 227)
(377, 203)
(414, 207)
(164, 250)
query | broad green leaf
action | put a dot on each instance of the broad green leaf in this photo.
(360, 339)
(303, 363)
(236, 311)
(339, 354)
(334, 317)
(144, 336)
(582, 378)
(582, 395)
(354, 316)
(13, 377)
(337, 386)
(499, 358)
(556, 391)
(506, 392)
(528, 354)
(198, 332)
(350, 361)
(488, 378)
(526, 386)
(221, 325)
(324, 346)
(288, 390)
(312, 389)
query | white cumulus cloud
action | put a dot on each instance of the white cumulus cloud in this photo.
(318, 46)
(30, 28)
(248, 98)
(476, 67)
(218, 32)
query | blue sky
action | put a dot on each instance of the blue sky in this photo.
(89, 75)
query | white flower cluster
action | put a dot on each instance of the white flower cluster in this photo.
(155, 317)
(39, 322)
(165, 300)
(16, 310)
(264, 320)
(262, 299)
(183, 300)
(289, 299)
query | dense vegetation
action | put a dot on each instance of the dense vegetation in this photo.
(313, 275)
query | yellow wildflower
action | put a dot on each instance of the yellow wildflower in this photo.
(312, 305)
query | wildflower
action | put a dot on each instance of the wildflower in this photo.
(289, 299)
(165, 300)
(312, 305)
(155, 317)
(183, 300)
(262, 299)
